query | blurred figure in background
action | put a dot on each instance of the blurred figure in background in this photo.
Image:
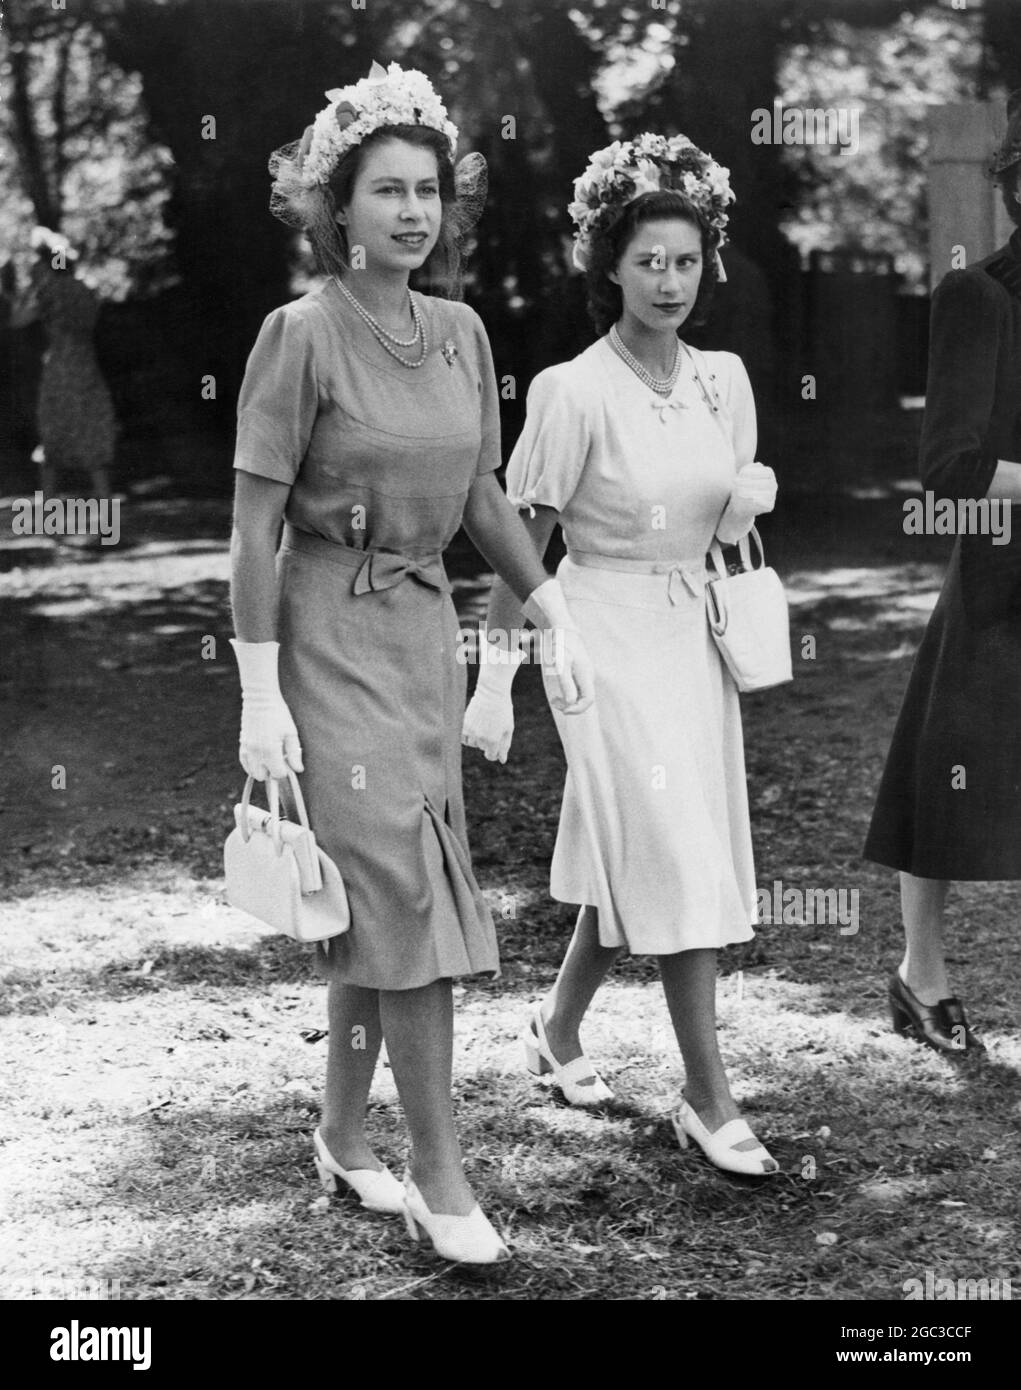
(75, 415)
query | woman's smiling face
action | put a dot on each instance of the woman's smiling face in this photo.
(659, 273)
(395, 210)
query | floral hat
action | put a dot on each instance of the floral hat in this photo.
(301, 170)
(623, 171)
(388, 96)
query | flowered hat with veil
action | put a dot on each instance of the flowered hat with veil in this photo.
(391, 96)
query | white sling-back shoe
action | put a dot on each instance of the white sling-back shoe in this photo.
(469, 1239)
(539, 1059)
(378, 1191)
(719, 1146)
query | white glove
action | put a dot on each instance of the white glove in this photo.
(567, 671)
(754, 491)
(269, 739)
(489, 718)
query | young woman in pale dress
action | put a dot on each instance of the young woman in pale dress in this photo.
(643, 451)
(368, 424)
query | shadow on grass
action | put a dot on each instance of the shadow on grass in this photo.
(596, 1205)
(268, 960)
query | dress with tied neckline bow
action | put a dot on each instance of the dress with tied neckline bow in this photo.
(379, 460)
(654, 827)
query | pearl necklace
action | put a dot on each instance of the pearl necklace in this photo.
(660, 386)
(383, 336)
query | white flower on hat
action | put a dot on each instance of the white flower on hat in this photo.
(605, 159)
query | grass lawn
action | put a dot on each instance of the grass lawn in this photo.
(158, 1094)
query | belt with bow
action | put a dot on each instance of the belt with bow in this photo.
(377, 569)
(385, 569)
(680, 577)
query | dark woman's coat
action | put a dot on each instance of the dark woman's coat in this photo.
(949, 804)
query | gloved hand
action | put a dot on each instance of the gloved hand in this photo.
(567, 671)
(269, 739)
(489, 718)
(754, 491)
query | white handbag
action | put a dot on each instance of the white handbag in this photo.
(749, 618)
(276, 871)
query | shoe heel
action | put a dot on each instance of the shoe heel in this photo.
(328, 1179)
(534, 1062)
(682, 1134)
(901, 1020)
(414, 1230)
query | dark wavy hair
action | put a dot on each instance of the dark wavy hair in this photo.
(1007, 179)
(612, 237)
(442, 268)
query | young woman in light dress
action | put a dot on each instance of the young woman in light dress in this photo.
(643, 450)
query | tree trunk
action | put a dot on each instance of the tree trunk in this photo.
(25, 135)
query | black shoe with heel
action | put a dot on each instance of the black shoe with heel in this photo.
(942, 1026)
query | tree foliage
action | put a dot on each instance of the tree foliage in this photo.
(142, 127)
(76, 151)
(875, 198)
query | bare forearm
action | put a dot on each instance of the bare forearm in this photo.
(500, 536)
(1006, 484)
(253, 587)
(258, 511)
(504, 611)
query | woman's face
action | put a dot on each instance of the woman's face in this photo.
(659, 272)
(395, 209)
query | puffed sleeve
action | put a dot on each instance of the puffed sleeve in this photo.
(954, 459)
(739, 403)
(279, 398)
(551, 451)
(490, 457)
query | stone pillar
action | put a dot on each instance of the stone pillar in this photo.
(965, 208)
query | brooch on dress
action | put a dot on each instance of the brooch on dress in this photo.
(449, 353)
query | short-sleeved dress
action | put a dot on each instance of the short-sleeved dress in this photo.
(654, 829)
(379, 458)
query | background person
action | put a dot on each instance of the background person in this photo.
(960, 715)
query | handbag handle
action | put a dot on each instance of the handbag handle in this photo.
(273, 797)
(717, 610)
(743, 549)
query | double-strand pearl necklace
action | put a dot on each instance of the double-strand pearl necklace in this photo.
(660, 386)
(383, 336)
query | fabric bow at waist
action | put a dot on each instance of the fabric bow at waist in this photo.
(384, 569)
(377, 569)
(680, 575)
